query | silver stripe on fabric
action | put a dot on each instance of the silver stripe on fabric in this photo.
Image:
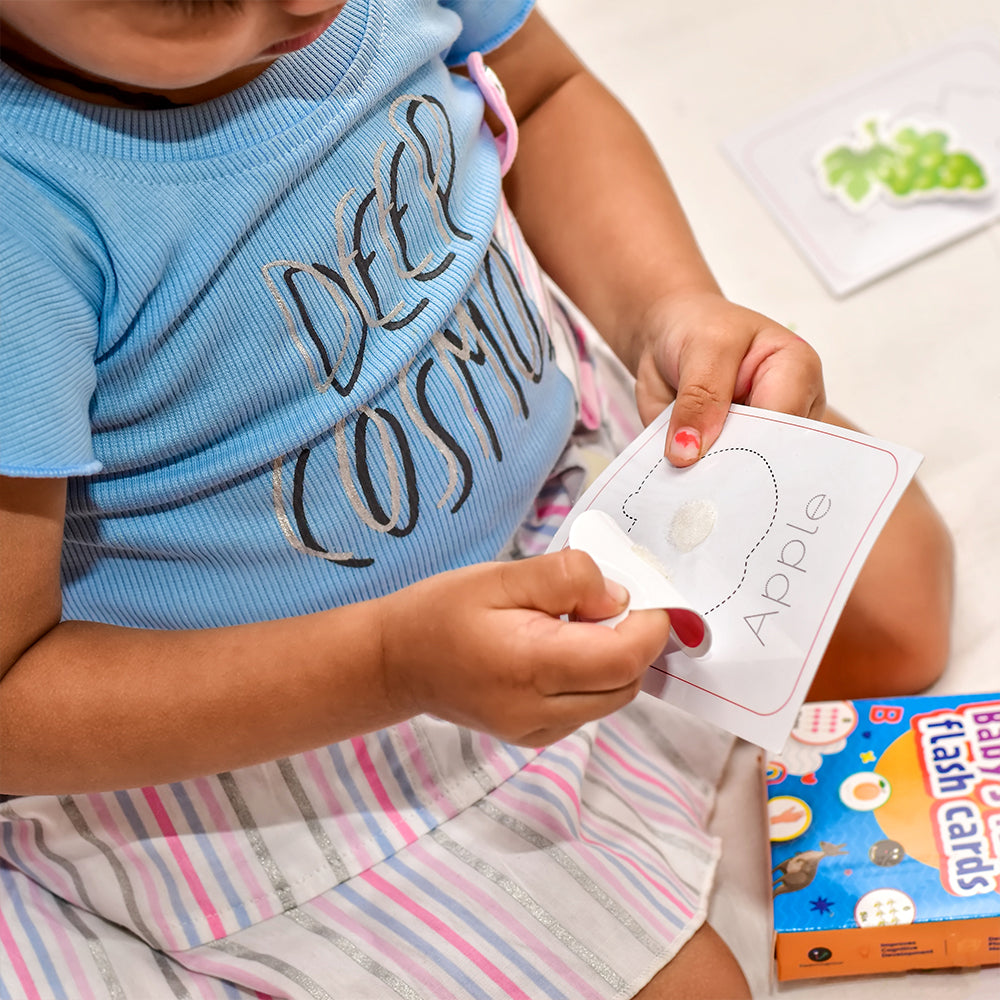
(173, 980)
(696, 850)
(253, 835)
(575, 872)
(238, 951)
(38, 835)
(472, 761)
(668, 749)
(439, 775)
(686, 842)
(318, 831)
(101, 959)
(76, 817)
(516, 892)
(349, 948)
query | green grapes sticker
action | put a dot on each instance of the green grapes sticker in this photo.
(903, 163)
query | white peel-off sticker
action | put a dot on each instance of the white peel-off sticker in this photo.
(640, 573)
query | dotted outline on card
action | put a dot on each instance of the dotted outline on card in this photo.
(767, 530)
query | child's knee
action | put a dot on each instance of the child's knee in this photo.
(704, 969)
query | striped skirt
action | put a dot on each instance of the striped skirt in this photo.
(579, 876)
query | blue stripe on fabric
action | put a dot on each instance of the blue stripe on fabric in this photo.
(545, 530)
(571, 765)
(364, 809)
(145, 840)
(625, 870)
(208, 851)
(232, 990)
(647, 764)
(7, 830)
(484, 931)
(403, 780)
(650, 794)
(519, 755)
(423, 947)
(555, 798)
(41, 952)
(645, 792)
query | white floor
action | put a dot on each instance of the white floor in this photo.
(914, 357)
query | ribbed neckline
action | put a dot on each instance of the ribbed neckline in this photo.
(281, 98)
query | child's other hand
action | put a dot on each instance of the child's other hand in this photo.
(708, 352)
(484, 647)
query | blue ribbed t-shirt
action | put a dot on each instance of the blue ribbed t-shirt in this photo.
(270, 339)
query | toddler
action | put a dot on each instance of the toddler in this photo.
(293, 379)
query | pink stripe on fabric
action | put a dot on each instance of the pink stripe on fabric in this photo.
(60, 882)
(208, 962)
(646, 777)
(378, 790)
(377, 944)
(259, 892)
(431, 922)
(553, 510)
(499, 917)
(670, 777)
(138, 863)
(501, 758)
(596, 859)
(493, 94)
(576, 750)
(354, 843)
(208, 986)
(514, 248)
(419, 761)
(590, 405)
(491, 750)
(184, 863)
(16, 959)
(664, 818)
(657, 869)
(56, 931)
(523, 257)
(619, 417)
(656, 813)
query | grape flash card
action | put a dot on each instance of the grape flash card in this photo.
(753, 551)
(885, 167)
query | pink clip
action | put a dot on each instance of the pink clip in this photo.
(493, 93)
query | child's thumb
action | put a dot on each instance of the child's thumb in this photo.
(565, 582)
(695, 423)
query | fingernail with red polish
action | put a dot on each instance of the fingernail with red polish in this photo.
(686, 444)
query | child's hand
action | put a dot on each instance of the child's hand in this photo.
(484, 647)
(708, 352)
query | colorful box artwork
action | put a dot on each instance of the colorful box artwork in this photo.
(884, 822)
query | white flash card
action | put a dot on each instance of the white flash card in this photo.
(761, 540)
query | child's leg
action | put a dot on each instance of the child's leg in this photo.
(893, 637)
(704, 969)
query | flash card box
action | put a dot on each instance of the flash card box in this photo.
(884, 827)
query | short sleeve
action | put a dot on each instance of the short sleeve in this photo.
(48, 335)
(485, 25)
